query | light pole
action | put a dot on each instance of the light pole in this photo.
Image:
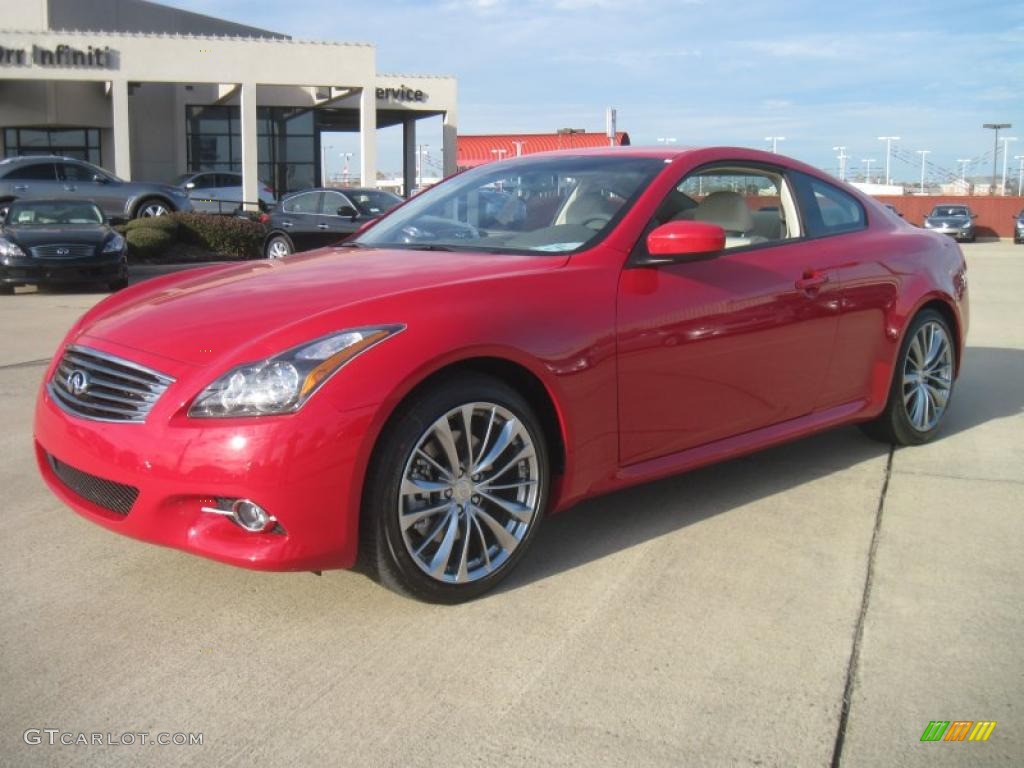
(842, 161)
(995, 151)
(963, 169)
(346, 156)
(923, 153)
(420, 149)
(323, 164)
(775, 142)
(867, 173)
(1020, 175)
(888, 151)
(1006, 152)
(519, 147)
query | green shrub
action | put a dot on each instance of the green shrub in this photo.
(162, 223)
(226, 236)
(147, 242)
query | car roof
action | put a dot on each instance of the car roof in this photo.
(52, 200)
(30, 158)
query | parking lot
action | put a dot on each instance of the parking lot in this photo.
(816, 604)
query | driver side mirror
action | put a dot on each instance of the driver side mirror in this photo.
(678, 241)
(190, 185)
(100, 178)
(348, 210)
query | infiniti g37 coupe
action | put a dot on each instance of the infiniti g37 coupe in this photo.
(420, 397)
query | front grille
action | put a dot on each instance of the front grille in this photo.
(103, 493)
(63, 251)
(98, 386)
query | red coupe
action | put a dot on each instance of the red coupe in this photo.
(523, 336)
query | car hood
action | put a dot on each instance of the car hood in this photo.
(197, 318)
(956, 221)
(30, 237)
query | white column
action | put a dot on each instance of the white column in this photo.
(250, 170)
(450, 139)
(122, 129)
(368, 136)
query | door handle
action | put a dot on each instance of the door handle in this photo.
(812, 280)
(286, 224)
(21, 187)
(323, 226)
(70, 187)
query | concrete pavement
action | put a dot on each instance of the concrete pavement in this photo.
(717, 618)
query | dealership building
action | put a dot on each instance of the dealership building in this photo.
(150, 92)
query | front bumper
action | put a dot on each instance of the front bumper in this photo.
(37, 271)
(959, 233)
(302, 468)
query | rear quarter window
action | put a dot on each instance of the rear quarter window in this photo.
(32, 172)
(828, 210)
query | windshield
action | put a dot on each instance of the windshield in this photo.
(949, 210)
(373, 202)
(48, 214)
(537, 205)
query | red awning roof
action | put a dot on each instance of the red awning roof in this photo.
(477, 150)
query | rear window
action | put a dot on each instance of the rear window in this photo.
(33, 172)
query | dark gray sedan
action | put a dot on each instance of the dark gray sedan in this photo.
(51, 176)
(52, 241)
(954, 220)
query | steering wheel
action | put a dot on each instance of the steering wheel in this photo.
(597, 221)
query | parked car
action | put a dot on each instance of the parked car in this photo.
(50, 176)
(53, 241)
(423, 395)
(954, 220)
(220, 191)
(1018, 228)
(316, 217)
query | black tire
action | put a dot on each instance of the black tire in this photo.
(146, 203)
(278, 241)
(384, 553)
(117, 285)
(894, 425)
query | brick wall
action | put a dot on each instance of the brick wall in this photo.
(995, 214)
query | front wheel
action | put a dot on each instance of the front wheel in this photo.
(922, 383)
(456, 490)
(152, 207)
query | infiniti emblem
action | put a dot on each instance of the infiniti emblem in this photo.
(78, 382)
(63, 251)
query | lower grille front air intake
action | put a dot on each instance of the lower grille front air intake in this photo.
(112, 496)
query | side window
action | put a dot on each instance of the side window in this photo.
(75, 172)
(307, 203)
(828, 210)
(333, 201)
(33, 172)
(204, 181)
(753, 205)
(228, 180)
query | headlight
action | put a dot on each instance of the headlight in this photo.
(114, 244)
(7, 248)
(284, 383)
(928, 223)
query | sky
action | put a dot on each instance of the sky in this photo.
(703, 72)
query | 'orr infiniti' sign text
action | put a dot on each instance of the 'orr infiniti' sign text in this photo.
(61, 56)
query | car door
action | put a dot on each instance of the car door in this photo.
(32, 180)
(229, 189)
(335, 227)
(713, 348)
(82, 182)
(203, 192)
(299, 217)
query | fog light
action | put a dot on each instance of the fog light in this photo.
(244, 513)
(251, 516)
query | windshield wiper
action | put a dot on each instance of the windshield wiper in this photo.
(351, 244)
(429, 247)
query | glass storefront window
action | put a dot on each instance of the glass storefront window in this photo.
(81, 143)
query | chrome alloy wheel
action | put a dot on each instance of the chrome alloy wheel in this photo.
(278, 248)
(469, 493)
(154, 208)
(927, 376)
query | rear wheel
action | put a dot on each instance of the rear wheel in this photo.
(456, 490)
(922, 383)
(278, 247)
